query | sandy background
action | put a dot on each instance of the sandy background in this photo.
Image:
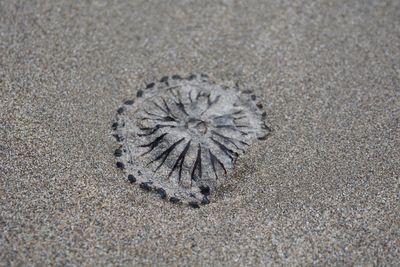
(323, 189)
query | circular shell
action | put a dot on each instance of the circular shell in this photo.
(181, 136)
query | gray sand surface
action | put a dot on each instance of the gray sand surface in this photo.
(323, 189)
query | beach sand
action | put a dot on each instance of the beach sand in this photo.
(323, 189)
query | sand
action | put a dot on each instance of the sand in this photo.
(322, 190)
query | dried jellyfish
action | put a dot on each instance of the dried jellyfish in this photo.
(181, 136)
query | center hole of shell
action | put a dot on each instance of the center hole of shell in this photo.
(197, 125)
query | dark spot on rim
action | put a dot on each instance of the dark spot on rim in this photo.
(253, 97)
(114, 126)
(129, 102)
(205, 201)
(120, 110)
(118, 138)
(120, 165)
(194, 205)
(265, 127)
(259, 105)
(247, 92)
(162, 193)
(205, 190)
(139, 93)
(264, 115)
(204, 75)
(191, 77)
(176, 77)
(118, 153)
(262, 137)
(164, 79)
(131, 178)
(150, 85)
(174, 200)
(145, 186)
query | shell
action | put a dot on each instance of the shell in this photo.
(181, 136)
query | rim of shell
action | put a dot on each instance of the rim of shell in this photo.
(181, 137)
